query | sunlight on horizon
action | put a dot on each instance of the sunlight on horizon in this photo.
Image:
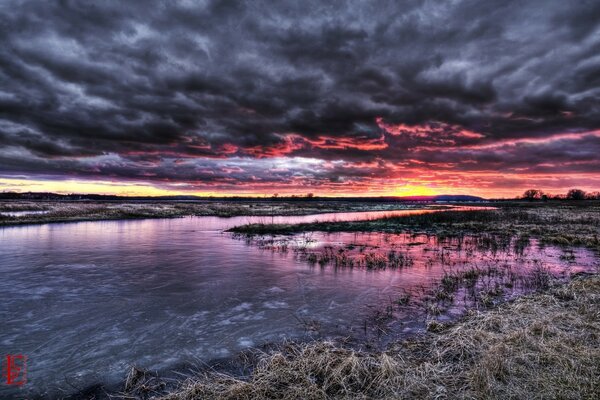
(75, 186)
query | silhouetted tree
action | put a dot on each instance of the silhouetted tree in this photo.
(593, 196)
(576, 194)
(533, 194)
(310, 195)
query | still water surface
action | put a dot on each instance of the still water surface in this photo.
(86, 300)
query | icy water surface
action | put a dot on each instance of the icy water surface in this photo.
(86, 300)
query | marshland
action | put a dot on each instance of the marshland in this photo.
(22, 212)
(373, 300)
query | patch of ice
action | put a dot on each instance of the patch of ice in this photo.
(275, 304)
(245, 342)
(242, 307)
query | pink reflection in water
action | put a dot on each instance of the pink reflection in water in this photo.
(436, 278)
(351, 216)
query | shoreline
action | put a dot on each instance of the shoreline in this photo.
(484, 367)
(436, 351)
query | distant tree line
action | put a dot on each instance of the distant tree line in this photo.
(573, 194)
(295, 196)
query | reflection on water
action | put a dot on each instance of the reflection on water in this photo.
(437, 279)
(86, 300)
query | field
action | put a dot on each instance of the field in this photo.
(32, 212)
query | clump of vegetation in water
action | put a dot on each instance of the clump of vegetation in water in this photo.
(481, 287)
(349, 256)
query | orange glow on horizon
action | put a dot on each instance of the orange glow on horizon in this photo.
(372, 189)
(140, 189)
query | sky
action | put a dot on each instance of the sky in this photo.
(362, 98)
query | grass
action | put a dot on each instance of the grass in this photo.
(393, 224)
(565, 224)
(540, 346)
(342, 258)
(71, 211)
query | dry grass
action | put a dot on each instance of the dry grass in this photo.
(538, 347)
(72, 211)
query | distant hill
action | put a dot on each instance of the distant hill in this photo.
(441, 197)
(457, 197)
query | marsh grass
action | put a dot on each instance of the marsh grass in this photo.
(70, 211)
(540, 346)
(346, 258)
(564, 224)
(480, 288)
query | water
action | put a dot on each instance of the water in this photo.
(86, 300)
(433, 278)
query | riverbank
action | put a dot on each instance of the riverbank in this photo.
(573, 223)
(545, 345)
(41, 212)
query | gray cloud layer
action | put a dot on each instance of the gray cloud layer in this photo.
(130, 89)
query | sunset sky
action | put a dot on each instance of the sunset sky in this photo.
(335, 98)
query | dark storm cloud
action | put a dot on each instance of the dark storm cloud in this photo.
(125, 89)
